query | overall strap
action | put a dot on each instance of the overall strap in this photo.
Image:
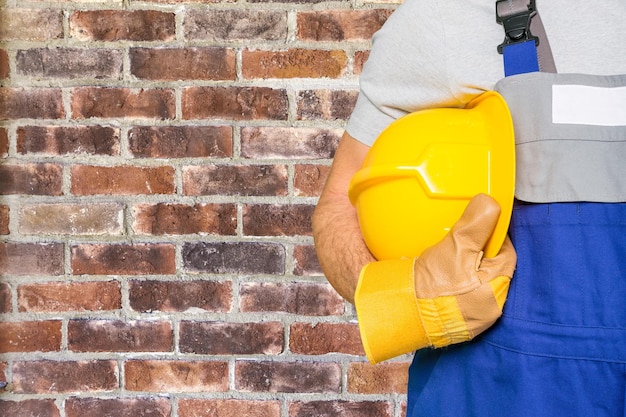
(525, 47)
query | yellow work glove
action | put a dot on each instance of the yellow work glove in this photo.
(448, 295)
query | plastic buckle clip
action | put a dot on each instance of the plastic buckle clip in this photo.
(516, 26)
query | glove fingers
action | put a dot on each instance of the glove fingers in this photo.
(503, 264)
(476, 225)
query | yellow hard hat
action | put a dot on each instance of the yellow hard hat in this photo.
(423, 169)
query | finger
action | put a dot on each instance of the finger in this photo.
(477, 223)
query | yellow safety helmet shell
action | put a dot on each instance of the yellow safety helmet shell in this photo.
(422, 170)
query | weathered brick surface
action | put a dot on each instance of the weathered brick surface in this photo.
(119, 336)
(160, 162)
(324, 338)
(219, 338)
(45, 377)
(288, 377)
(173, 64)
(307, 299)
(228, 408)
(74, 296)
(176, 376)
(30, 336)
(127, 180)
(180, 296)
(136, 259)
(181, 141)
(68, 140)
(118, 407)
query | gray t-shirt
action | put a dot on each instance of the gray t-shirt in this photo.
(442, 53)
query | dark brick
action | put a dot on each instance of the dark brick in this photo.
(29, 408)
(5, 70)
(288, 143)
(179, 296)
(63, 140)
(4, 142)
(235, 103)
(181, 141)
(326, 104)
(118, 407)
(119, 336)
(235, 24)
(31, 179)
(31, 258)
(45, 377)
(5, 298)
(123, 259)
(37, 103)
(243, 180)
(70, 63)
(220, 338)
(234, 258)
(277, 220)
(305, 260)
(172, 64)
(110, 102)
(324, 338)
(307, 299)
(117, 25)
(196, 407)
(309, 179)
(171, 376)
(341, 408)
(180, 219)
(340, 25)
(289, 377)
(30, 336)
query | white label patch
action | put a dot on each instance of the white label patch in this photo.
(586, 105)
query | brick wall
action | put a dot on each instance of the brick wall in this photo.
(160, 164)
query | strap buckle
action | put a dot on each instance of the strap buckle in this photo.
(516, 25)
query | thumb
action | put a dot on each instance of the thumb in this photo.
(477, 223)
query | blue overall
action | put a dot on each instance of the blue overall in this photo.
(559, 348)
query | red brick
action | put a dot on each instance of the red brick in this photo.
(294, 63)
(180, 296)
(172, 64)
(70, 63)
(340, 25)
(29, 408)
(119, 336)
(234, 103)
(30, 336)
(123, 180)
(5, 298)
(220, 338)
(68, 140)
(326, 104)
(123, 259)
(243, 180)
(72, 219)
(360, 57)
(169, 376)
(181, 141)
(288, 377)
(36, 103)
(305, 261)
(384, 378)
(190, 407)
(309, 180)
(182, 219)
(31, 179)
(118, 25)
(308, 299)
(5, 70)
(45, 376)
(341, 408)
(31, 258)
(235, 24)
(245, 258)
(289, 142)
(31, 24)
(4, 142)
(73, 296)
(88, 102)
(118, 407)
(323, 338)
(277, 220)
(5, 213)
